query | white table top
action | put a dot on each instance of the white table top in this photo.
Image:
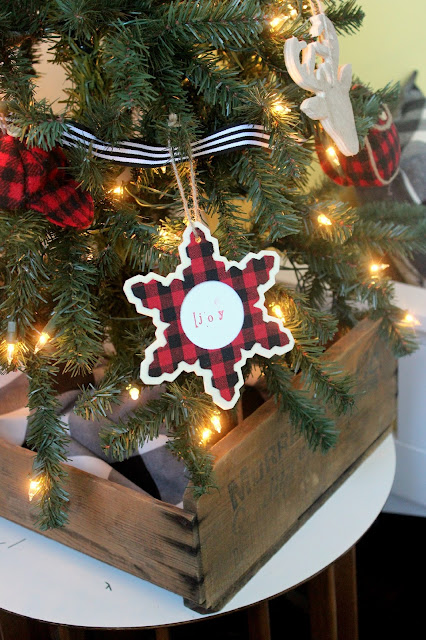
(43, 579)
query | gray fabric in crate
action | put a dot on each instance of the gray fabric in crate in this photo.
(166, 471)
(13, 429)
(81, 458)
(152, 468)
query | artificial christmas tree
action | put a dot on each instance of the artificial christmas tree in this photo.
(193, 97)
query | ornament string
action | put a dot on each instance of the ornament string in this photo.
(173, 122)
(180, 185)
(316, 7)
(3, 121)
(194, 188)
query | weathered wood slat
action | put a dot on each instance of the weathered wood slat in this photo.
(268, 478)
(141, 535)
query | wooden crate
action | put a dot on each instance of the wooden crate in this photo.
(269, 484)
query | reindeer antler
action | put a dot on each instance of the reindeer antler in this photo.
(331, 83)
(303, 73)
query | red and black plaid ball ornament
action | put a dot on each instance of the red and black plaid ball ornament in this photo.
(32, 178)
(210, 316)
(376, 165)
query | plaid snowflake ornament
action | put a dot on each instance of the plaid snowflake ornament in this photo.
(210, 316)
(36, 179)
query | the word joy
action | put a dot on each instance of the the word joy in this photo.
(208, 318)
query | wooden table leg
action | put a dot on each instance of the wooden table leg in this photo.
(322, 605)
(346, 595)
(67, 633)
(258, 621)
(13, 627)
(162, 633)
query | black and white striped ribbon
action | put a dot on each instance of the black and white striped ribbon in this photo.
(135, 153)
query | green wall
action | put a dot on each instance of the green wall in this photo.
(391, 43)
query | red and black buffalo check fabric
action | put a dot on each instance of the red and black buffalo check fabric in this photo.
(168, 300)
(36, 179)
(358, 170)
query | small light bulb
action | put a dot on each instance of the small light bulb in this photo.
(134, 393)
(34, 488)
(331, 152)
(163, 169)
(118, 191)
(44, 337)
(280, 109)
(10, 352)
(206, 435)
(410, 319)
(215, 420)
(322, 219)
(293, 13)
(277, 21)
(277, 311)
(376, 268)
(10, 340)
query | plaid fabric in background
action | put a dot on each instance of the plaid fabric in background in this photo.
(411, 123)
(36, 179)
(151, 470)
(376, 164)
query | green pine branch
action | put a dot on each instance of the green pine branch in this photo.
(184, 410)
(24, 268)
(219, 83)
(47, 436)
(324, 380)
(307, 418)
(378, 294)
(398, 335)
(347, 16)
(78, 339)
(311, 330)
(127, 64)
(312, 322)
(396, 212)
(95, 403)
(382, 238)
(368, 104)
(273, 212)
(230, 23)
(340, 219)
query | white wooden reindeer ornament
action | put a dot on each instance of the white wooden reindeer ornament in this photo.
(329, 81)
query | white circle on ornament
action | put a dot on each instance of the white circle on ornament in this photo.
(212, 315)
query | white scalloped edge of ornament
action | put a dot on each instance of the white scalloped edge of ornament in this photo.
(161, 341)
